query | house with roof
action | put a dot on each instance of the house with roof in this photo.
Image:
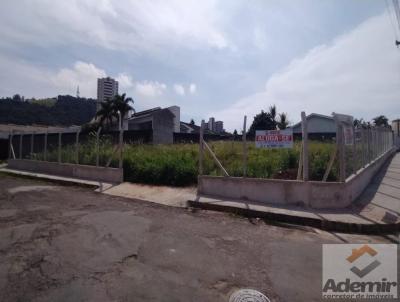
(319, 127)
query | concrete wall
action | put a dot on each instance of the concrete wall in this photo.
(176, 110)
(163, 127)
(314, 194)
(112, 175)
(357, 183)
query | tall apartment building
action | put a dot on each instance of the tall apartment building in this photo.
(211, 124)
(215, 126)
(107, 88)
(219, 126)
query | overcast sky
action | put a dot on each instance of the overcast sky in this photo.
(212, 58)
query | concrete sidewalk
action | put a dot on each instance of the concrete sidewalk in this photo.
(169, 196)
(97, 185)
(371, 218)
(376, 211)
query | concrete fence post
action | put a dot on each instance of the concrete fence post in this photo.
(77, 148)
(386, 140)
(45, 146)
(20, 145)
(378, 144)
(383, 134)
(10, 147)
(32, 144)
(353, 151)
(201, 148)
(373, 145)
(59, 147)
(121, 147)
(393, 140)
(98, 147)
(370, 144)
(341, 150)
(363, 153)
(244, 147)
(304, 129)
(380, 141)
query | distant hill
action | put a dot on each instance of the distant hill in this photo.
(65, 110)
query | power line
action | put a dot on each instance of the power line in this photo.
(397, 11)
(392, 22)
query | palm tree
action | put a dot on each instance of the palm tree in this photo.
(123, 105)
(272, 115)
(111, 108)
(283, 121)
(272, 112)
(106, 112)
(381, 121)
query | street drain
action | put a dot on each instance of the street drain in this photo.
(248, 295)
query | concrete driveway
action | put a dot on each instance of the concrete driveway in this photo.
(66, 243)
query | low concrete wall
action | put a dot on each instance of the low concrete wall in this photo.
(314, 194)
(112, 175)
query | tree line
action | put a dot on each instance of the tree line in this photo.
(64, 110)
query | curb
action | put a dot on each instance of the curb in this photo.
(49, 179)
(326, 225)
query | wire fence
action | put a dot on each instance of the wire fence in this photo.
(369, 144)
(92, 148)
(349, 150)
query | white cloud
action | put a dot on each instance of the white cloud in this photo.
(38, 81)
(358, 73)
(260, 38)
(139, 25)
(179, 89)
(192, 88)
(125, 81)
(150, 88)
(83, 74)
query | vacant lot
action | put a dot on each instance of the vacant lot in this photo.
(61, 243)
(177, 164)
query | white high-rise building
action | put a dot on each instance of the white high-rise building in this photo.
(107, 88)
(211, 124)
(219, 127)
(215, 126)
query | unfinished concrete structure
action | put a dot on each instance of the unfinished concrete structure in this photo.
(162, 121)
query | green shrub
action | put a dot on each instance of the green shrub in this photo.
(177, 165)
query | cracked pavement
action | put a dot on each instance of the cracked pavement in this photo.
(66, 243)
